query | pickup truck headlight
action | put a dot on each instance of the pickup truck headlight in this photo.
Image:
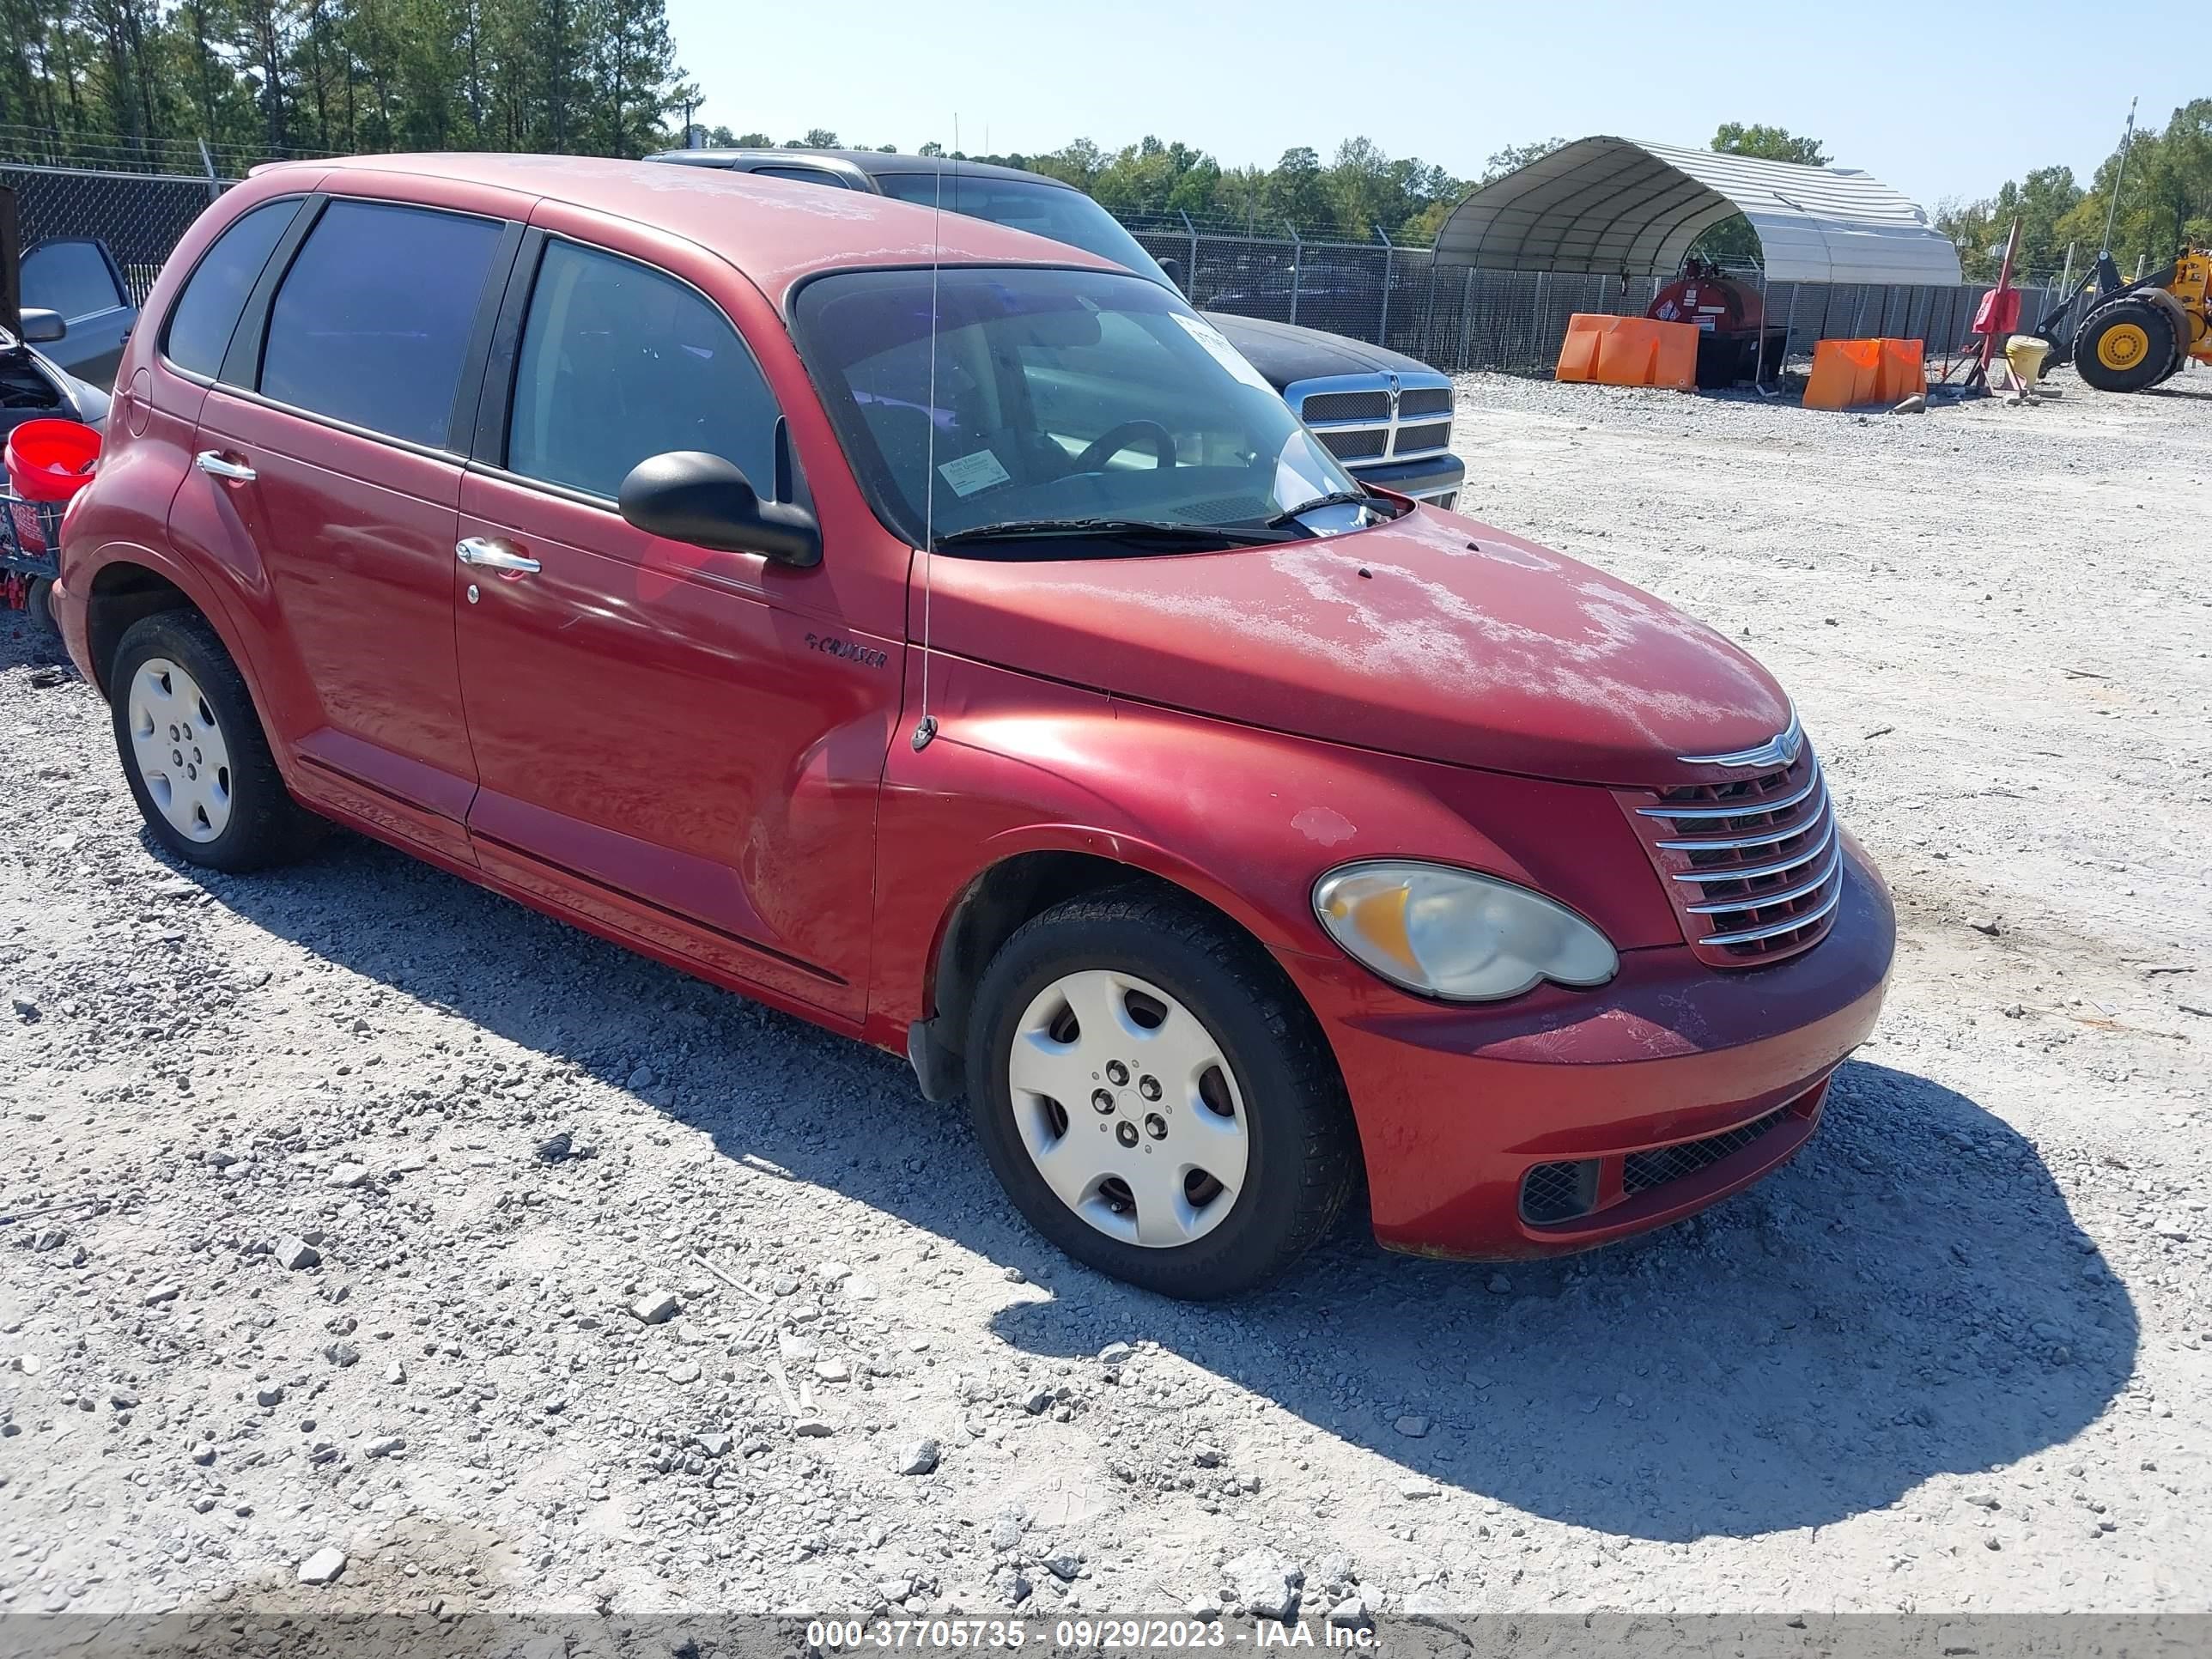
(1454, 934)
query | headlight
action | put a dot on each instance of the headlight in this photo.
(1451, 934)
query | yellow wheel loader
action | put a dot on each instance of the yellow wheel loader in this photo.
(2134, 335)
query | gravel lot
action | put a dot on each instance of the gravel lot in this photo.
(284, 1268)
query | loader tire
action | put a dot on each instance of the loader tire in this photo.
(2125, 346)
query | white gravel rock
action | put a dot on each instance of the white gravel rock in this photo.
(917, 1456)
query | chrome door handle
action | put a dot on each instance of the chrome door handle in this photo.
(486, 554)
(211, 462)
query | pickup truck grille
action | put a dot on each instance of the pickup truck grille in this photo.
(1754, 867)
(1370, 418)
(1325, 406)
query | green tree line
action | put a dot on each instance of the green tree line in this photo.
(2163, 200)
(1355, 193)
(268, 77)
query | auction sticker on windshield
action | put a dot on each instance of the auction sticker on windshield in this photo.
(978, 471)
(1218, 348)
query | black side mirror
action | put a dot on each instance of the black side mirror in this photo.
(689, 495)
(42, 327)
(1174, 269)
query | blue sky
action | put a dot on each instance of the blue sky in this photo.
(1881, 82)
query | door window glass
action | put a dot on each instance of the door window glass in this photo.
(70, 277)
(620, 362)
(372, 323)
(201, 321)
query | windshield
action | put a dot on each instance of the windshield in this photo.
(1054, 210)
(1059, 395)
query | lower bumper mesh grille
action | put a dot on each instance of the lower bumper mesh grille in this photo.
(1642, 1171)
(1569, 1190)
(1559, 1192)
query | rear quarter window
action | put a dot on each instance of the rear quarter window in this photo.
(371, 325)
(205, 313)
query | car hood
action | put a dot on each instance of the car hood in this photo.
(1432, 636)
(1285, 352)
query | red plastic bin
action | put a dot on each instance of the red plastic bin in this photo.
(47, 462)
(50, 460)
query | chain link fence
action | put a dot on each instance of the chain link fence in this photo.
(140, 216)
(1456, 317)
(1452, 317)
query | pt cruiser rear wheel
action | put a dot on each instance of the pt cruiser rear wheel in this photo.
(1155, 1098)
(193, 750)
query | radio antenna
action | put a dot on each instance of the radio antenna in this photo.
(925, 727)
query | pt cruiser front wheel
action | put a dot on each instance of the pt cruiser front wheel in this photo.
(1155, 1098)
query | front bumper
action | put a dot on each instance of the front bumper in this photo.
(1434, 478)
(1456, 1105)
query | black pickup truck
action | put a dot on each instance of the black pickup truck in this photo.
(1387, 416)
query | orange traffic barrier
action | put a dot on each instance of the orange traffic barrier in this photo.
(1849, 373)
(1903, 371)
(1629, 351)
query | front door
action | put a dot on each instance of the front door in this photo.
(338, 474)
(684, 745)
(77, 278)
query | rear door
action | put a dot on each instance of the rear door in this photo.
(78, 278)
(329, 460)
(684, 745)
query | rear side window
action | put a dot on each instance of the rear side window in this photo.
(373, 321)
(620, 362)
(201, 321)
(70, 277)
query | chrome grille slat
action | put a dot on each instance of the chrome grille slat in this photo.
(1762, 900)
(1753, 935)
(1751, 808)
(1755, 872)
(1737, 843)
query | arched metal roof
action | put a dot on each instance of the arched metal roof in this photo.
(1615, 206)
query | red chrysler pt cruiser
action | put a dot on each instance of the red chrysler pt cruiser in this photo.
(943, 634)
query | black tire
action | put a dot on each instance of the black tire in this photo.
(38, 604)
(1304, 1159)
(2136, 369)
(2180, 363)
(265, 825)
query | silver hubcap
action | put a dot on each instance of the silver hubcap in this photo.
(182, 757)
(1127, 1109)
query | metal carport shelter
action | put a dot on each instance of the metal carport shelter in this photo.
(1616, 207)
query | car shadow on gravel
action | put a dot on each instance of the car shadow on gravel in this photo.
(1909, 1297)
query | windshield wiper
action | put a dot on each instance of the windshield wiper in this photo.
(1012, 530)
(1335, 498)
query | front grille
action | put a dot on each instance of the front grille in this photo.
(1359, 421)
(1346, 406)
(1356, 446)
(1752, 865)
(1642, 1171)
